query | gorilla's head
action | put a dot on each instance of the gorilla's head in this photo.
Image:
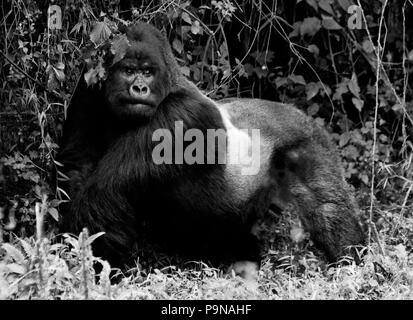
(137, 84)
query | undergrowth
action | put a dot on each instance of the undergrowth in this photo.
(355, 81)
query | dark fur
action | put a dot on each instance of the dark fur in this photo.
(115, 186)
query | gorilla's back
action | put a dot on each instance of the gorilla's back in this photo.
(282, 123)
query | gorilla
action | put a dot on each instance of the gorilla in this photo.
(116, 151)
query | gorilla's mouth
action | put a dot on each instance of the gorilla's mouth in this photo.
(136, 103)
(139, 105)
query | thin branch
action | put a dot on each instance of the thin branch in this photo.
(30, 77)
(378, 51)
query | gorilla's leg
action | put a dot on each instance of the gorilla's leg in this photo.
(310, 177)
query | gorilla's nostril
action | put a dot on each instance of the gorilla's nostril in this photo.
(139, 91)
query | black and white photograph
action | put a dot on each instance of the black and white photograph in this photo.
(220, 151)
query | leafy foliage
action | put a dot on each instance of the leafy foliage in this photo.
(331, 59)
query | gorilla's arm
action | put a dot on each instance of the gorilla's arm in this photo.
(93, 204)
(104, 207)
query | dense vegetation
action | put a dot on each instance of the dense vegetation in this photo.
(347, 66)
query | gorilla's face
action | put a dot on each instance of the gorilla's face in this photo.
(135, 85)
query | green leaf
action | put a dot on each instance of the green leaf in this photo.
(312, 89)
(100, 33)
(119, 47)
(344, 139)
(358, 103)
(94, 237)
(27, 248)
(76, 28)
(177, 45)
(297, 79)
(59, 73)
(410, 55)
(260, 72)
(297, 234)
(340, 90)
(280, 82)
(397, 107)
(240, 69)
(310, 26)
(185, 16)
(15, 268)
(185, 71)
(195, 28)
(345, 4)
(296, 30)
(313, 4)
(223, 50)
(368, 46)
(326, 6)
(320, 121)
(313, 109)
(313, 49)
(13, 252)
(91, 77)
(54, 213)
(351, 152)
(330, 24)
(325, 90)
(353, 86)
(365, 179)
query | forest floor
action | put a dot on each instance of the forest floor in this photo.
(42, 270)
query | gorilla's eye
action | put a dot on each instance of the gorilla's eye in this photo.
(129, 71)
(146, 72)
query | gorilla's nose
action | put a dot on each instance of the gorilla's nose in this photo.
(139, 91)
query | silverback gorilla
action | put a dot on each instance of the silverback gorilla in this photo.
(207, 209)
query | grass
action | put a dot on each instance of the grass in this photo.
(31, 269)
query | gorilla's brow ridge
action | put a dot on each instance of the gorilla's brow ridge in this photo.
(142, 51)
